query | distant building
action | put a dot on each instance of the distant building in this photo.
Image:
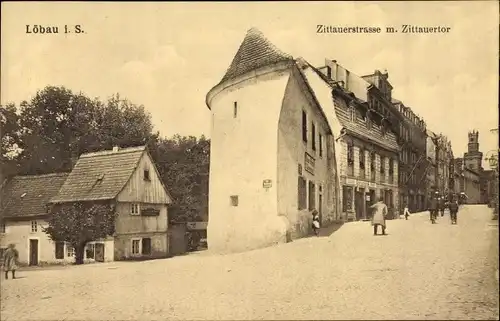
(272, 157)
(431, 171)
(471, 171)
(413, 159)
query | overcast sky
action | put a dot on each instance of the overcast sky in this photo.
(167, 56)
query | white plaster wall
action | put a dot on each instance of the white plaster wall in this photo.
(291, 153)
(243, 154)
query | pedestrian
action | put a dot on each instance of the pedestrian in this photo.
(453, 210)
(441, 205)
(379, 213)
(315, 222)
(406, 211)
(433, 207)
(10, 258)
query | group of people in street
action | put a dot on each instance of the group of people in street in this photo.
(438, 204)
(436, 208)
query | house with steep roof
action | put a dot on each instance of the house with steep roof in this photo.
(23, 214)
(127, 179)
(272, 158)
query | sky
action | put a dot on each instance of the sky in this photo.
(167, 56)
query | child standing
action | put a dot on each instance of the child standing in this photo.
(315, 222)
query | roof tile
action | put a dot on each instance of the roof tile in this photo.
(26, 196)
(254, 52)
(100, 175)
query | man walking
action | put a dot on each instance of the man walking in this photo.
(10, 258)
(441, 205)
(453, 209)
(379, 214)
(433, 207)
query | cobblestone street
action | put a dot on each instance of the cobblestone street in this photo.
(418, 271)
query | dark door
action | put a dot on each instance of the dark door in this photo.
(99, 252)
(358, 202)
(320, 208)
(370, 200)
(33, 252)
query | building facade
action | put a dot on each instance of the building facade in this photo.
(472, 172)
(24, 214)
(264, 185)
(431, 167)
(127, 179)
(413, 159)
(368, 152)
(444, 156)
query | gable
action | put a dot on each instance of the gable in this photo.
(139, 189)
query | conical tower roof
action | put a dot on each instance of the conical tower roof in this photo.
(255, 51)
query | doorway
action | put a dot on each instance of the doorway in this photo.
(33, 260)
(358, 203)
(370, 199)
(99, 252)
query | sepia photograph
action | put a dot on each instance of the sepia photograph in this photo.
(301, 160)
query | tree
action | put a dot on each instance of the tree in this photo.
(79, 223)
(183, 163)
(57, 125)
(9, 139)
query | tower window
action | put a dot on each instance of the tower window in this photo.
(235, 109)
(234, 200)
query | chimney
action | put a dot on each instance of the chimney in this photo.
(116, 148)
(73, 159)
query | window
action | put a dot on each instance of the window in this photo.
(235, 110)
(136, 244)
(90, 251)
(350, 154)
(313, 136)
(59, 250)
(146, 175)
(312, 196)
(34, 226)
(70, 250)
(368, 122)
(382, 165)
(2, 227)
(302, 193)
(320, 145)
(362, 158)
(146, 246)
(234, 200)
(134, 209)
(304, 126)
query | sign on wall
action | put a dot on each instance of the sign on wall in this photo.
(309, 163)
(267, 183)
